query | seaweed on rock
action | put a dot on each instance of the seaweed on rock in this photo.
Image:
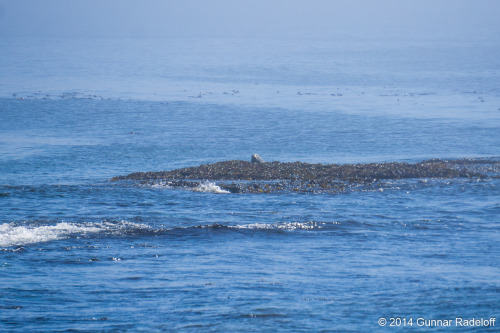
(276, 176)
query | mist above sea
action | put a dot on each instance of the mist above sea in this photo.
(427, 77)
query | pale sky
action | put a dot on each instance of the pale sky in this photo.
(246, 18)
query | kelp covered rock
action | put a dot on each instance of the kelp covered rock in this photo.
(244, 176)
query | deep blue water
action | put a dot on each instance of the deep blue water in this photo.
(81, 253)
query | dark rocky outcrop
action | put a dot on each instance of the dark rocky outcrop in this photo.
(242, 176)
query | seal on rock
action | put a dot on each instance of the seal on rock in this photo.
(257, 159)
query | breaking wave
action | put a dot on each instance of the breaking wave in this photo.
(19, 234)
(209, 187)
(13, 234)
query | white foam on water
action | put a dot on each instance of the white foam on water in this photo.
(209, 187)
(311, 225)
(17, 235)
(161, 184)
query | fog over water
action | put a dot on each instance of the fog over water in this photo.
(225, 18)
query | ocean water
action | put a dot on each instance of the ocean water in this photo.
(81, 253)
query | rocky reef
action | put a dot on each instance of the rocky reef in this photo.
(243, 176)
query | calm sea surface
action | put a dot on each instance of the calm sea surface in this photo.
(81, 253)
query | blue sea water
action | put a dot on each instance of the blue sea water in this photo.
(81, 253)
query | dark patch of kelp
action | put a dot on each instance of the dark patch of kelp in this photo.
(298, 176)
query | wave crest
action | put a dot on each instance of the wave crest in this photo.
(209, 187)
(15, 234)
(12, 234)
(277, 226)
